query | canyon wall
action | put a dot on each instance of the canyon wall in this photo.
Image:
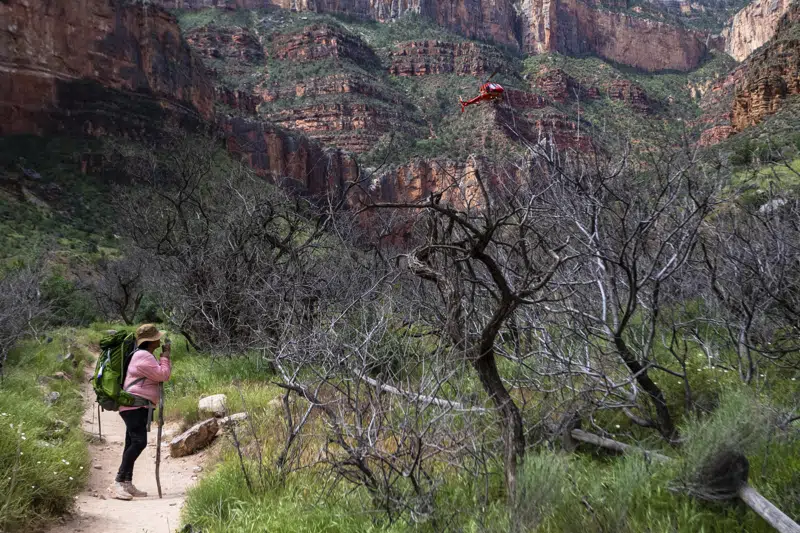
(100, 67)
(753, 26)
(575, 27)
(88, 65)
(772, 74)
(479, 19)
(758, 87)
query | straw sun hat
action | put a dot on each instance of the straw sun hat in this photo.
(147, 332)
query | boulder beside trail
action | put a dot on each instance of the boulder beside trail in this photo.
(194, 439)
(213, 405)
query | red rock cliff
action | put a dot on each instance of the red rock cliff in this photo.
(289, 159)
(85, 64)
(623, 38)
(97, 67)
(771, 74)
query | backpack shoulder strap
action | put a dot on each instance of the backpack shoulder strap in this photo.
(135, 382)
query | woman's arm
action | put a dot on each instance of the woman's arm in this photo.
(156, 370)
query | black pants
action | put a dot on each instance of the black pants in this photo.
(135, 441)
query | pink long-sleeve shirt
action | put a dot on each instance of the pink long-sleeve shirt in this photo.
(144, 364)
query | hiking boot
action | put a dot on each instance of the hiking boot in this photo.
(119, 491)
(133, 491)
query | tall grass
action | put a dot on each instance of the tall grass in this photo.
(43, 453)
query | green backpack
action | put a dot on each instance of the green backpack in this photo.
(110, 372)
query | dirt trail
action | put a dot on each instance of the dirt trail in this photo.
(97, 512)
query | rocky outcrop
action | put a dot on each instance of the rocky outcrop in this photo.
(194, 439)
(753, 26)
(715, 135)
(524, 100)
(481, 19)
(289, 159)
(353, 126)
(630, 93)
(576, 28)
(419, 58)
(771, 74)
(320, 41)
(339, 83)
(231, 44)
(716, 105)
(555, 83)
(240, 100)
(90, 66)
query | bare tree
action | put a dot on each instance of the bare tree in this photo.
(118, 286)
(634, 221)
(750, 267)
(21, 307)
(487, 252)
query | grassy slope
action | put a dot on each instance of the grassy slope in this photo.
(613, 488)
(47, 203)
(43, 453)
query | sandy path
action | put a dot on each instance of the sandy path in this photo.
(97, 512)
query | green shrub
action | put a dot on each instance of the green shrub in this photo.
(69, 304)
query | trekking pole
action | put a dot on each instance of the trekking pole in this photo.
(99, 425)
(158, 438)
(167, 343)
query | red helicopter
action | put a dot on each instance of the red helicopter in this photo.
(488, 91)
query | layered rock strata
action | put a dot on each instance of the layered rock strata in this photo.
(419, 58)
(772, 74)
(102, 67)
(535, 26)
(574, 27)
(481, 19)
(320, 41)
(289, 159)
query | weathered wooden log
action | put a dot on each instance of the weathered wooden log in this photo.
(764, 508)
(750, 496)
(621, 447)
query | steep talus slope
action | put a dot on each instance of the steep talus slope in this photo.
(753, 26)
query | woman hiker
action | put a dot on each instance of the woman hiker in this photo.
(143, 378)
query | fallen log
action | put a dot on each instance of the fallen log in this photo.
(621, 447)
(764, 508)
(750, 496)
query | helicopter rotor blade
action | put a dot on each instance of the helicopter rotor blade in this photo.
(490, 77)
